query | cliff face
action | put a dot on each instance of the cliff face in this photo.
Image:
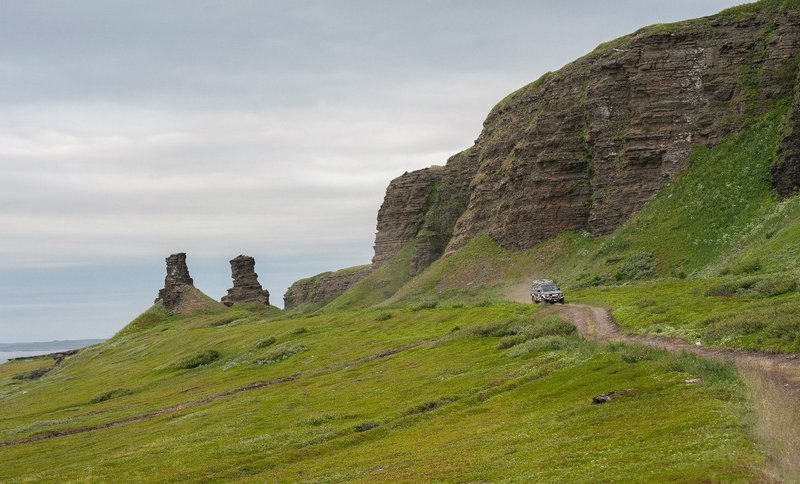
(586, 147)
(786, 171)
(424, 205)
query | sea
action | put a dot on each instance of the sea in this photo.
(19, 350)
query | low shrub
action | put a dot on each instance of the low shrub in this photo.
(266, 342)
(300, 330)
(222, 322)
(632, 353)
(425, 305)
(545, 343)
(33, 374)
(200, 359)
(636, 266)
(497, 328)
(711, 371)
(775, 286)
(747, 266)
(120, 392)
(635, 354)
(731, 288)
(785, 328)
(547, 326)
(280, 355)
(364, 426)
(318, 420)
(429, 406)
(738, 325)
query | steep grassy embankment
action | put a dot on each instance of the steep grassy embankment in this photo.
(468, 393)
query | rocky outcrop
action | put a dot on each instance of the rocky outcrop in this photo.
(403, 210)
(175, 283)
(786, 170)
(324, 287)
(246, 288)
(587, 146)
(424, 205)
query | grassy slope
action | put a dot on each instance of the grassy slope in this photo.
(378, 285)
(461, 405)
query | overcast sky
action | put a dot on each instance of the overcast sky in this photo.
(133, 129)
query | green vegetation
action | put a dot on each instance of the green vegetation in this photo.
(405, 398)
(379, 284)
(205, 358)
(266, 342)
(120, 392)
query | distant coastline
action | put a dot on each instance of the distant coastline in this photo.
(18, 350)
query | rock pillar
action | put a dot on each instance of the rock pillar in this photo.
(176, 281)
(246, 288)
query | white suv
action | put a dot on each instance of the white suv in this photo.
(546, 291)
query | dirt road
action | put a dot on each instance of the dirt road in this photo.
(773, 381)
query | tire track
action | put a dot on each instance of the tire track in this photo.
(773, 381)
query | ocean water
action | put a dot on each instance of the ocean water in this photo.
(7, 355)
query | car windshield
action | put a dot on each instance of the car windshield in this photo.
(549, 287)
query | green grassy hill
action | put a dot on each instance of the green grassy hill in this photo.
(468, 393)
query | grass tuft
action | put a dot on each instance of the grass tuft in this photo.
(205, 358)
(120, 392)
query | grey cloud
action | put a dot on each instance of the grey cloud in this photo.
(129, 130)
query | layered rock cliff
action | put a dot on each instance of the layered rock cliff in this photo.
(587, 146)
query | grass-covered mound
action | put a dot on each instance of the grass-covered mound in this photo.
(452, 393)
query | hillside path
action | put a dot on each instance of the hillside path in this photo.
(773, 380)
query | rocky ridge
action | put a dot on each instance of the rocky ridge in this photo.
(587, 146)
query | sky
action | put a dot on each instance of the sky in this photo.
(130, 130)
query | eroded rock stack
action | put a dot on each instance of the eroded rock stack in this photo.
(176, 282)
(246, 288)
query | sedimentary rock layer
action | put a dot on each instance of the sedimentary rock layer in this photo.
(176, 281)
(587, 146)
(246, 288)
